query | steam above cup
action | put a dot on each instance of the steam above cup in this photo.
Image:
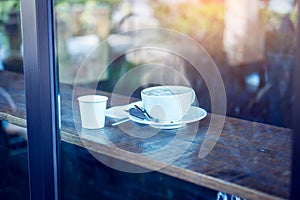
(167, 103)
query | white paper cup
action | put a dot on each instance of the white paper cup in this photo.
(92, 111)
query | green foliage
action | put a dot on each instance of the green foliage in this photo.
(6, 7)
(110, 3)
(280, 31)
(191, 18)
(204, 22)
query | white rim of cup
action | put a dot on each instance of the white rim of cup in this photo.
(92, 98)
(166, 86)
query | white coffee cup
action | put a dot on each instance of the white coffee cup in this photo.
(167, 103)
(92, 111)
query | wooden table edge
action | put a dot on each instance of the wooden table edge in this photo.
(177, 172)
(187, 175)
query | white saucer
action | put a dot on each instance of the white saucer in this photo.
(193, 115)
(117, 112)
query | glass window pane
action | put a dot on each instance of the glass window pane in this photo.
(14, 182)
(238, 57)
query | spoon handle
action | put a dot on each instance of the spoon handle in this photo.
(143, 111)
(120, 122)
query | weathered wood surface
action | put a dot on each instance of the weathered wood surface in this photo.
(250, 160)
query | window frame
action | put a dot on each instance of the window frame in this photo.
(41, 91)
(295, 179)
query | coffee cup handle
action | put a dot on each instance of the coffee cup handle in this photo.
(194, 97)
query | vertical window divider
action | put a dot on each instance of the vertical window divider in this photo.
(295, 175)
(42, 104)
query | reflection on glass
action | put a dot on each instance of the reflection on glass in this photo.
(14, 182)
(251, 42)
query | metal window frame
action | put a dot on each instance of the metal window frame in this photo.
(295, 179)
(42, 101)
(41, 97)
